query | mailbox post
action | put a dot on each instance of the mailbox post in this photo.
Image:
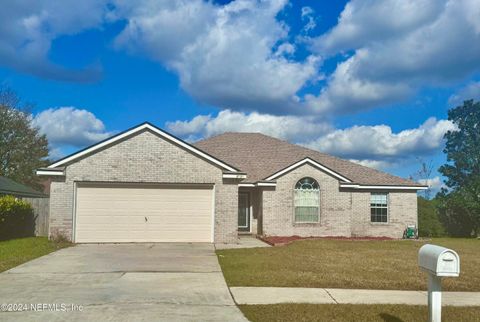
(434, 298)
(438, 262)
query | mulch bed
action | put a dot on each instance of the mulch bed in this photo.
(284, 240)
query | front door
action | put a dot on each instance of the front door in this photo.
(243, 211)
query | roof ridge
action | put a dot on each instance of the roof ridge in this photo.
(231, 132)
(302, 152)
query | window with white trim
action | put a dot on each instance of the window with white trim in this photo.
(379, 207)
(307, 201)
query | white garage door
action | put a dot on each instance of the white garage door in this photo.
(143, 213)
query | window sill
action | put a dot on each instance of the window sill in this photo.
(380, 223)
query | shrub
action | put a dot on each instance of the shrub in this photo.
(59, 237)
(16, 218)
(429, 225)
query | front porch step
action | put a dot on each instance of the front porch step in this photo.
(246, 233)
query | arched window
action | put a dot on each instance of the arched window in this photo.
(307, 200)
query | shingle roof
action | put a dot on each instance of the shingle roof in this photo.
(261, 156)
(10, 187)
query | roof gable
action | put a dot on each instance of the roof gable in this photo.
(311, 162)
(132, 131)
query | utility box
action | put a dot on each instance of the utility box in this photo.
(439, 261)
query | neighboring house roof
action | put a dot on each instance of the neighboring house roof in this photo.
(262, 156)
(57, 168)
(10, 187)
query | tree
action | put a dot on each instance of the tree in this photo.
(22, 147)
(460, 203)
(429, 224)
(455, 217)
(424, 175)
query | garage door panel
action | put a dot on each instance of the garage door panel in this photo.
(116, 213)
(153, 220)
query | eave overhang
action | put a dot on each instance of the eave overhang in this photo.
(357, 186)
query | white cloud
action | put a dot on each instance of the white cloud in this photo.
(242, 56)
(224, 55)
(395, 47)
(238, 56)
(308, 17)
(347, 93)
(364, 22)
(376, 164)
(435, 184)
(292, 128)
(70, 126)
(285, 49)
(55, 153)
(471, 91)
(28, 28)
(380, 143)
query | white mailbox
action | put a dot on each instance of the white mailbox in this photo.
(439, 261)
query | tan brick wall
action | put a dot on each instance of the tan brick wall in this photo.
(145, 157)
(278, 209)
(342, 213)
(226, 212)
(402, 210)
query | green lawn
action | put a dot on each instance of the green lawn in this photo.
(17, 251)
(347, 264)
(351, 313)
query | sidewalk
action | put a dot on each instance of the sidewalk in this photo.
(275, 295)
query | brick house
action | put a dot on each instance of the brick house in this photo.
(145, 185)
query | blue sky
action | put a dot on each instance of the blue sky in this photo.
(369, 81)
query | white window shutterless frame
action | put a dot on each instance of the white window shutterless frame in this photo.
(307, 201)
(379, 207)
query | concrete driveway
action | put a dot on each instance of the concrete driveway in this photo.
(120, 282)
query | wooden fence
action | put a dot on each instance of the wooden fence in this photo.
(41, 207)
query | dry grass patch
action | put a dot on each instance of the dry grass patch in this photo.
(346, 264)
(346, 312)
